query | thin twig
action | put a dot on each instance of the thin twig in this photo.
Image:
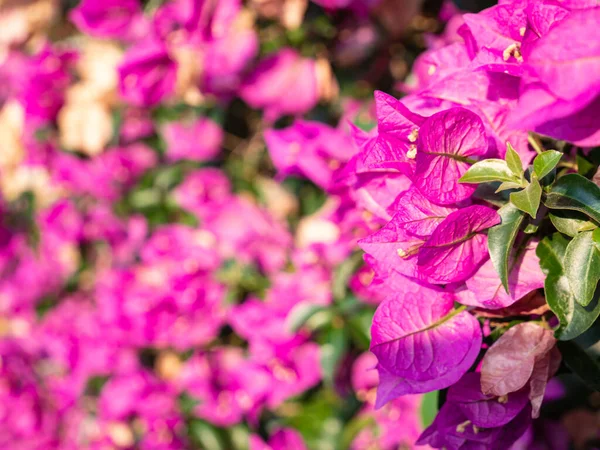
(535, 142)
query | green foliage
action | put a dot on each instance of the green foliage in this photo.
(300, 315)
(577, 193)
(574, 318)
(501, 239)
(332, 351)
(513, 160)
(489, 170)
(582, 259)
(545, 162)
(319, 419)
(429, 407)
(570, 223)
(528, 200)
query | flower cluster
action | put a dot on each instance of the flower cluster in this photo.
(463, 310)
(158, 288)
(188, 189)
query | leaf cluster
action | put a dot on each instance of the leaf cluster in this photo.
(562, 211)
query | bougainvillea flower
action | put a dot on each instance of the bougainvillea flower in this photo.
(497, 29)
(417, 215)
(447, 141)
(333, 4)
(226, 60)
(227, 385)
(509, 363)
(293, 365)
(195, 22)
(386, 280)
(560, 94)
(181, 243)
(452, 430)
(199, 140)
(576, 69)
(106, 176)
(43, 82)
(28, 411)
(545, 113)
(282, 439)
(532, 304)
(397, 130)
(485, 290)
(436, 64)
(543, 370)
(107, 19)
(364, 376)
(137, 124)
(268, 87)
(217, 37)
(255, 319)
(249, 233)
(385, 433)
(124, 236)
(151, 402)
(311, 149)
(377, 194)
(394, 249)
(203, 191)
(541, 16)
(147, 74)
(485, 411)
(457, 246)
(420, 352)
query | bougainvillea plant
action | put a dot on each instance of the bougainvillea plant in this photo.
(493, 249)
(211, 210)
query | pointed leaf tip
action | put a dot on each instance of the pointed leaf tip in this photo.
(528, 200)
(545, 162)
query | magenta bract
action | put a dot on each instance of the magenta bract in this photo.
(457, 246)
(447, 142)
(421, 344)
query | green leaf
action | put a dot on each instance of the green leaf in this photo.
(574, 318)
(596, 237)
(508, 185)
(488, 170)
(317, 419)
(551, 252)
(343, 273)
(429, 407)
(332, 352)
(571, 224)
(354, 427)
(513, 160)
(576, 193)
(239, 435)
(207, 435)
(359, 325)
(501, 239)
(300, 314)
(545, 162)
(528, 200)
(531, 228)
(583, 165)
(582, 356)
(582, 259)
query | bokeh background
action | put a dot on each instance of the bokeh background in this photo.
(178, 267)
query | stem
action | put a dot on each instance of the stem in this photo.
(535, 143)
(570, 165)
